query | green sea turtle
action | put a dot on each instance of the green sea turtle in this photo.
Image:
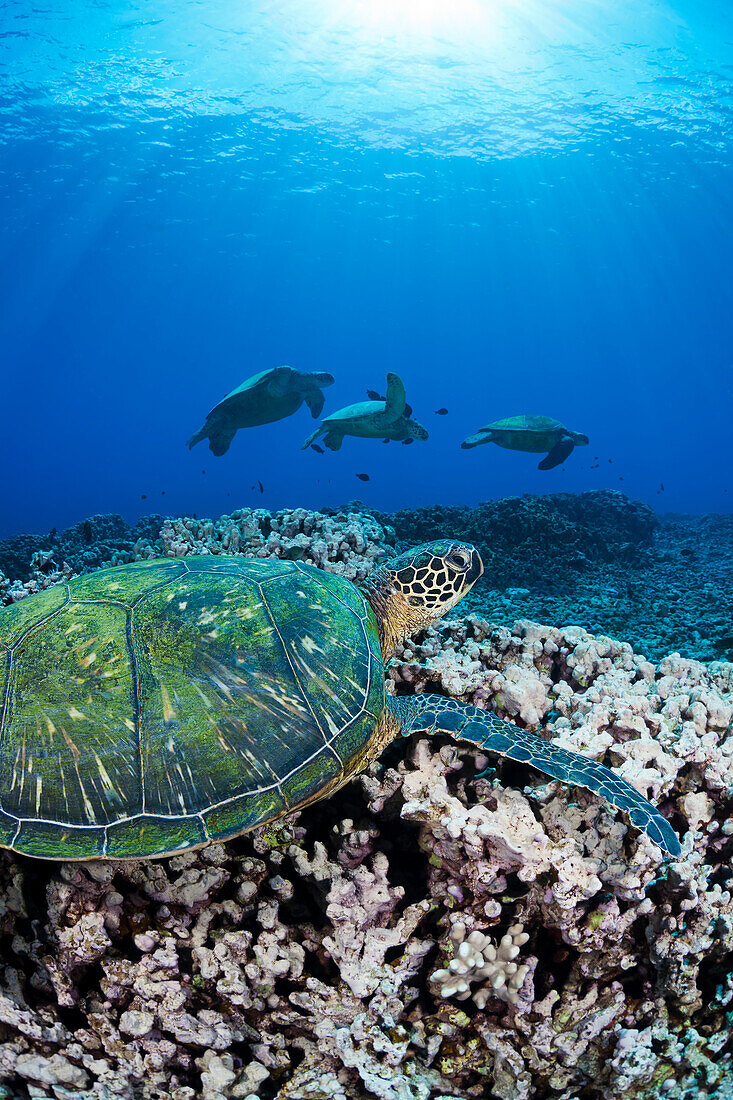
(383, 419)
(159, 706)
(270, 395)
(530, 433)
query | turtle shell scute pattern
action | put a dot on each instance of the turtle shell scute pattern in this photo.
(161, 705)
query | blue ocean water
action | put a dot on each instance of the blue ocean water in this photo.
(517, 206)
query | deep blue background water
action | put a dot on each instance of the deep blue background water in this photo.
(519, 208)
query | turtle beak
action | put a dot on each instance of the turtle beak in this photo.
(476, 567)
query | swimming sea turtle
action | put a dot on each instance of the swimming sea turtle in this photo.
(384, 419)
(270, 395)
(158, 706)
(530, 433)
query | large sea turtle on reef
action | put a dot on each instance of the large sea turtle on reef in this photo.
(263, 398)
(162, 705)
(383, 419)
(530, 433)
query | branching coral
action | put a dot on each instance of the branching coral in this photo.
(477, 958)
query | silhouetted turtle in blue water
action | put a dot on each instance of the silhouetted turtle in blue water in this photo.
(534, 434)
(263, 398)
(384, 419)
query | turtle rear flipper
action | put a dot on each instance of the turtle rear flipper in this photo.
(333, 440)
(312, 437)
(394, 406)
(436, 714)
(196, 438)
(558, 454)
(219, 438)
(219, 442)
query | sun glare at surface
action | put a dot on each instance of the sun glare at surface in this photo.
(479, 78)
(391, 18)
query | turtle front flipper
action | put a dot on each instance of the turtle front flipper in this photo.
(313, 395)
(315, 400)
(436, 714)
(476, 440)
(558, 454)
(394, 405)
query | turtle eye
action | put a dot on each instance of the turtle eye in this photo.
(458, 558)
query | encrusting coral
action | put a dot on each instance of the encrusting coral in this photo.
(308, 959)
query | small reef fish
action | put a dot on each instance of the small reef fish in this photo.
(441, 412)
(315, 447)
(261, 486)
(661, 486)
(143, 496)
(363, 477)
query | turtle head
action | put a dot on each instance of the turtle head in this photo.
(579, 439)
(412, 591)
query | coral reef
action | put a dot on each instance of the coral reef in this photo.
(436, 928)
(539, 539)
(297, 961)
(344, 542)
(677, 596)
(595, 560)
(600, 561)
